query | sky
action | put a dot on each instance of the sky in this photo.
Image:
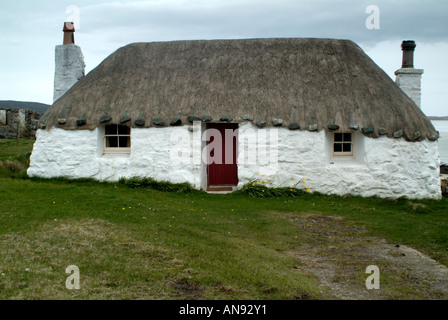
(30, 30)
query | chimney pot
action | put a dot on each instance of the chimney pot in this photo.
(408, 47)
(69, 33)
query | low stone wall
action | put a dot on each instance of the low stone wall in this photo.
(18, 123)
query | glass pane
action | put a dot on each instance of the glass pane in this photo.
(124, 130)
(347, 147)
(111, 129)
(337, 147)
(125, 142)
(112, 142)
(338, 137)
(347, 137)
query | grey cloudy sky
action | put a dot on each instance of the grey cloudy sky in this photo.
(29, 31)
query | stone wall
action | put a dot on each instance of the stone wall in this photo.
(77, 154)
(18, 123)
(381, 167)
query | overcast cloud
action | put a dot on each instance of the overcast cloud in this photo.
(29, 31)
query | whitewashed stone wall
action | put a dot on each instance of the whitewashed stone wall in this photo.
(69, 68)
(381, 167)
(79, 154)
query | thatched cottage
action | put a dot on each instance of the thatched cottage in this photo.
(287, 109)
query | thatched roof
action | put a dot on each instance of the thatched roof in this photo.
(302, 81)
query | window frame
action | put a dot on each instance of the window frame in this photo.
(338, 154)
(116, 150)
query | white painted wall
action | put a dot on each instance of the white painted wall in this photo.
(69, 68)
(78, 154)
(381, 167)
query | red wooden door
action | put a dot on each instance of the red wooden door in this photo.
(224, 148)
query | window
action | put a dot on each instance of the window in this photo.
(117, 138)
(342, 144)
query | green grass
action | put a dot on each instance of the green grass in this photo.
(175, 238)
(143, 243)
(14, 156)
(11, 149)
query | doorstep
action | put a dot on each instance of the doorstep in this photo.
(220, 189)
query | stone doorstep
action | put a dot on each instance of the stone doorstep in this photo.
(219, 192)
(220, 189)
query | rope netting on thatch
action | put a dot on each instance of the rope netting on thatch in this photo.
(302, 84)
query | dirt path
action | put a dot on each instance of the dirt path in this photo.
(338, 254)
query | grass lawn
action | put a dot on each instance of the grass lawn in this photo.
(141, 243)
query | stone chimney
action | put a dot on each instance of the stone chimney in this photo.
(408, 78)
(69, 60)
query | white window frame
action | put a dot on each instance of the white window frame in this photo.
(342, 153)
(115, 150)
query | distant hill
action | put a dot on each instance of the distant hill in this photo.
(437, 118)
(35, 106)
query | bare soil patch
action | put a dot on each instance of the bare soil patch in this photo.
(188, 290)
(338, 253)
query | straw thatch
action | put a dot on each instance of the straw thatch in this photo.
(260, 79)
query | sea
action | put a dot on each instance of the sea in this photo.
(442, 127)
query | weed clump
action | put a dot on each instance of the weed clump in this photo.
(417, 207)
(148, 182)
(265, 189)
(17, 165)
(12, 165)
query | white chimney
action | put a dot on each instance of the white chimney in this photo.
(408, 78)
(70, 66)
